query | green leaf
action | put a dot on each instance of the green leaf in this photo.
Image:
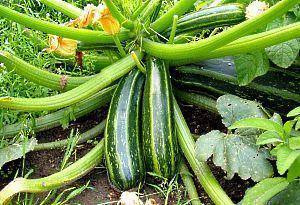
(250, 65)
(283, 54)
(289, 196)
(234, 154)
(297, 126)
(259, 123)
(263, 191)
(285, 158)
(294, 170)
(268, 137)
(294, 112)
(277, 118)
(294, 142)
(16, 151)
(288, 126)
(233, 108)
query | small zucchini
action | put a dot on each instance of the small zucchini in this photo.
(159, 141)
(213, 17)
(124, 158)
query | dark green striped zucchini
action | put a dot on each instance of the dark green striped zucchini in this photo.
(213, 17)
(124, 158)
(278, 90)
(159, 140)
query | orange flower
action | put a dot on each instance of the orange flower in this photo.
(62, 46)
(107, 21)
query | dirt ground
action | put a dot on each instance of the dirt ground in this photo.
(45, 163)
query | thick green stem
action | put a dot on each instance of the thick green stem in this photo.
(84, 35)
(55, 119)
(197, 50)
(54, 181)
(151, 7)
(189, 184)
(107, 76)
(250, 43)
(201, 101)
(126, 23)
(201, 169)
(140, 9)
(165, 20)
(64, 7)
(88, 135)
(39, 76)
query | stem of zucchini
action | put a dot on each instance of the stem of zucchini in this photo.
(250, 43)
(188, 182)
(165, 20)
(138, 63)
(119, 46)
(145, 15)
(54, 181)
(55, 119)
(39, 76)
(140, 10)
(88, 135)
(199, 49)
(107, 76)
(202, 171)
(173, 30)
(126, 23)
(84, 35)
(64, 7)
(201, 101)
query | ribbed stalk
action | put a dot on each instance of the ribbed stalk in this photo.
(126, 23)
(84, 35)
(84, 137)
(250, 43)
(189, 184)
(64, 7)
(201, 101)
(166, 20)
(197, 50)
(201, 169)
(39, 76)
(105, 78)
(54, 181)
(140, 9)
(55, 119)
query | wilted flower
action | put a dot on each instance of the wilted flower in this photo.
(62, 46)
(87, 16)
(256, 8)
(129, 198)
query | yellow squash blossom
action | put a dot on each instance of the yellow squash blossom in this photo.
(87, 16)
(109, 24)
(62, 46)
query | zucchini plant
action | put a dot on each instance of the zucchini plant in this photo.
(145, 129)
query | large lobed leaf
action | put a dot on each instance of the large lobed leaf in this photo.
(234, 154)
(289, 196)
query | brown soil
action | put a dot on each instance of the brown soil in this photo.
(45, 163)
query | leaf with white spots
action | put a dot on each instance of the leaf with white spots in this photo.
(235, 154)
(16, 151)
(233, 108)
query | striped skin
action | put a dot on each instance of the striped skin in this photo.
(224, 15)
(159, 141)
(124, 158)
